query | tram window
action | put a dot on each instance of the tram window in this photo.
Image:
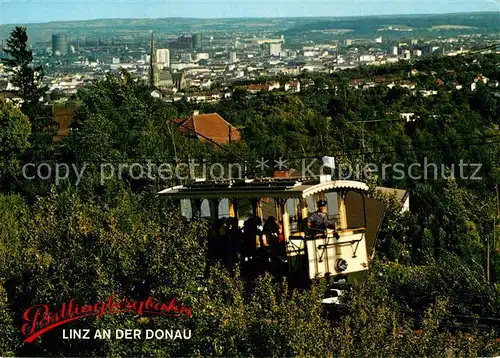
(333, 209)
(331, 198)
(244, 209)
(311, 205)
(186, 209)
(291, 207)
(224, 208)
(205, 209)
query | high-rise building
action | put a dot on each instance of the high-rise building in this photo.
(232, 57)
(183, 42)
(60, 44)
(197, 41)
(274, 49)
(395, 50)
(163, 57)
(406, 54)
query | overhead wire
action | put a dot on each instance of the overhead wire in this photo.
(463, 142)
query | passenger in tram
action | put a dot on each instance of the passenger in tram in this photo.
(280, 265)
(263, 250)
(215, 243)
(271, 230)
(213, 237)
(223, 226)
(277, 248)
(281, 234)
(249, 238)
(223, 239)
(260, 232)
(234, 240)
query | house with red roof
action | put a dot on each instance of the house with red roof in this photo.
(262, 87)
(208, 126)
(292, 86)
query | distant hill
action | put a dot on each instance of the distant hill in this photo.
(360, 26)
(482, 22)
(108, 27)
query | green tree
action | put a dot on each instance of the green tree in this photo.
(27, 78)
(119, 122)
(375, 324)
(8, 333)
(15, 130)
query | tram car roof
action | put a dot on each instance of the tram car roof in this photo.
(252, 188)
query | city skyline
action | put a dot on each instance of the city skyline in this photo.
(31, 12)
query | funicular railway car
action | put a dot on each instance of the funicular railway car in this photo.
(239, 207)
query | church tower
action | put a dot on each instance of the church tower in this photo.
(152, 61)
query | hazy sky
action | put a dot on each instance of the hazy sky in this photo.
(29, 11)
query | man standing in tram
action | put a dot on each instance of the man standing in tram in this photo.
(317, 222)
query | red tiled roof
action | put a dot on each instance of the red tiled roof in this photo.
(210, 125)
(258, 87)
(286, 174)
(356, 82)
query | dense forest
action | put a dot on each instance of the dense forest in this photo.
(90, 240)
(418, 24)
